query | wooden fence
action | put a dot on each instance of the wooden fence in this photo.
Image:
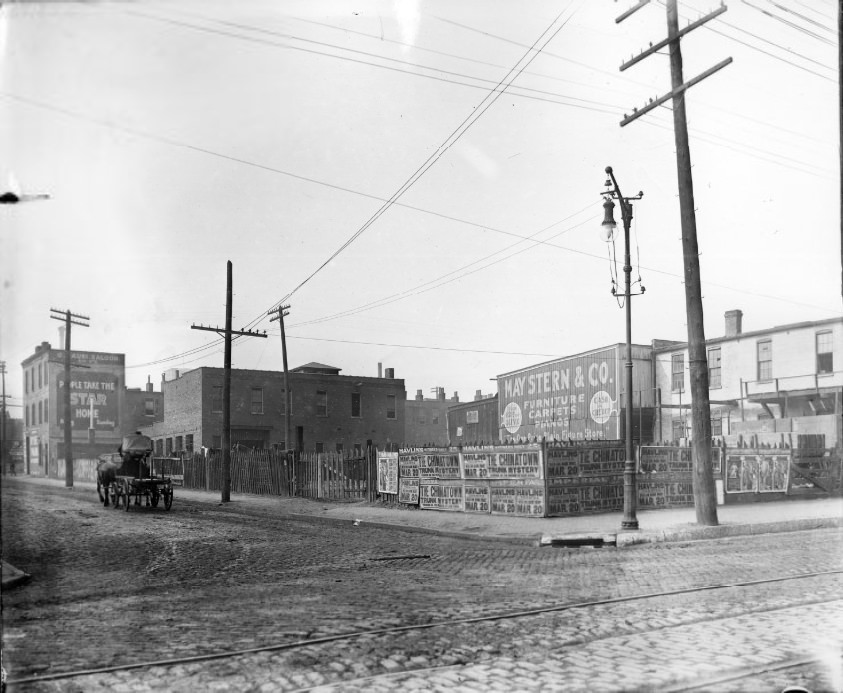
(334, 476)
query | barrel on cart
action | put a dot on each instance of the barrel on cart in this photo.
(137, 477)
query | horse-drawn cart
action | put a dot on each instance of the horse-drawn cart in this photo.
(131, 474)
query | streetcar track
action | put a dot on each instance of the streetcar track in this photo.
(501, 616)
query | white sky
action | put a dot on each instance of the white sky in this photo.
(174, 136)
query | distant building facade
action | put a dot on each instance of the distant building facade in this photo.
(476, 422)
(97, 403)
(426, 420)
(775, 383)
(330, 412)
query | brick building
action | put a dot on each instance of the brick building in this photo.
(329, 411)
(427, 419)
(97, 398)
(775, 382)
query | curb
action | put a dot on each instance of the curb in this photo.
(12, 577)
(633, 538)
(518, 540)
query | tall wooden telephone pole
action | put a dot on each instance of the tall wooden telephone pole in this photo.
(226, 387)
(280, 313)
(705, 499)
(67, 317)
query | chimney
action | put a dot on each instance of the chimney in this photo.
(734, 319)
(456, 397)
(478, 395)
(61, 336)
(149, 383)
(419, 396)
(440, 394)
(380, 369)
(390, 372)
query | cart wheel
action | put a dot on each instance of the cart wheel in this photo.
(127, 497)
(154, 498)
(168, 499)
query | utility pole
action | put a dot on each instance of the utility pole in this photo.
(3, 439)
(67, 317)
(226, 387)
(280, 313)
(705, 499)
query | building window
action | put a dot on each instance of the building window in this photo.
(339, 447)
(216, 398)
(355, 405)
(714, 367)
(168, 447)
(390, 407)
(434, 417)
(40, 412)
(149, 407)
(358, 450)
(26, 381)
(216, 442)
(421, 418)
(40, 382)
(677, 370)
(159, 447)
(188, 443)
(765, 360)
(321, 403)
(678, 429)
(257, 400)
(32, 414)
(26, 416)
(825, 353)
(179, 447)
(717, 425)
(320, 448)
(46, 411)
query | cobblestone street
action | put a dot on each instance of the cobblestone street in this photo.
(259, 591)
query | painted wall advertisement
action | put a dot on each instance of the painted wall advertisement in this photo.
(757, 473)
(574, 398)
(387, 472)
(93, 397)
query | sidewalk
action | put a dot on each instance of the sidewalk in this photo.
(676, 524)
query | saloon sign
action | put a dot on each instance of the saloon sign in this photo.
(572, 398)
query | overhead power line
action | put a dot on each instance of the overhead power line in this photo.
(452, 139)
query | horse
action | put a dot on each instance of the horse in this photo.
(106, 476)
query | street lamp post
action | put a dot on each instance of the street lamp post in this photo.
(630, 489)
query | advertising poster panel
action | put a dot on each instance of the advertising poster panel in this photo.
(574, 398)
(451, 495)
(428, 495)
(523, 497)
(387, 472)
(408, 490)
(585, 478)
(654, 459)
(476, 464)
(476, 498)
(439, 466)
(518, 464)
(757, 473)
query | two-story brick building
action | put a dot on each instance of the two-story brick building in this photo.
(775, 382)
(329, 411)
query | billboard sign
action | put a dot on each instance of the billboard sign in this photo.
(93, 400)
(574, 398)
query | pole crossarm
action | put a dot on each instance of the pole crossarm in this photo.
(632, 10)
(222, 331)
(675, 92)
(666, 42)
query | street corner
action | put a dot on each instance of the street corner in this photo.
(12, 577)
